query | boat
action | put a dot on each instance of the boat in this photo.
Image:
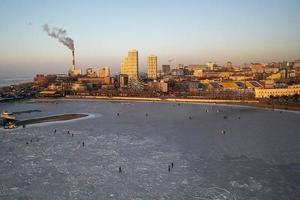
(10, 125)
(9, 120)
(8, 116)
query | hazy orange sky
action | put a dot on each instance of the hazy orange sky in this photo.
(190, 32)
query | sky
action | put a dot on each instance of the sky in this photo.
(187, 31)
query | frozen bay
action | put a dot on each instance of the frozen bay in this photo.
(256, 158)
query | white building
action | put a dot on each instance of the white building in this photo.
(98, 72)
(91, 72)
(211, 65)
(266, 93)
(74, 72)
(103, 72)
(198, 73)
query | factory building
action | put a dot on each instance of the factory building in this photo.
(98, 72)
(72, 70)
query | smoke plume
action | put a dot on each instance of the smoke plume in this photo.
(60, 34)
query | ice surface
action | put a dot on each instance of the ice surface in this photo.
(256, 158)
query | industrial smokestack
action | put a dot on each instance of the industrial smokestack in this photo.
(73, 56)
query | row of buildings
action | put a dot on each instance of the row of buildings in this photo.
(199, 80)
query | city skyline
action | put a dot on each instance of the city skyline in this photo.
(190, 32)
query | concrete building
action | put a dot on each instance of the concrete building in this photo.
(180, 66)
(160, 73)
(296, 67)
(91, 72)
(163, 86)
(159, 86)
(104, 72)
(257, 67)
(123, 80)
(129, 65)
(98, 72)
(78, 86)
(228, 64)
(193, 86)
(177, 72)
(271, 69)
(166, 69)
(55, 86)
(266, 93)
(193, 67)
(39, 79)
(198, 73)
(211, 65)
(267, 84)
(240, 77)
(152, 67)
(98, 80)
(74, 72)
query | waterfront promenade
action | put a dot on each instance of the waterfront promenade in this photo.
(184, 100)
(252, 103)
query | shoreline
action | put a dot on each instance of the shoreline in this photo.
(269, 106)
(249, 103)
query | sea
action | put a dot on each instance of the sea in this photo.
(9, 80)
(219, 152)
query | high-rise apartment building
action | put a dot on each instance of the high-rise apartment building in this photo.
(152, 67)
(130, 66)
